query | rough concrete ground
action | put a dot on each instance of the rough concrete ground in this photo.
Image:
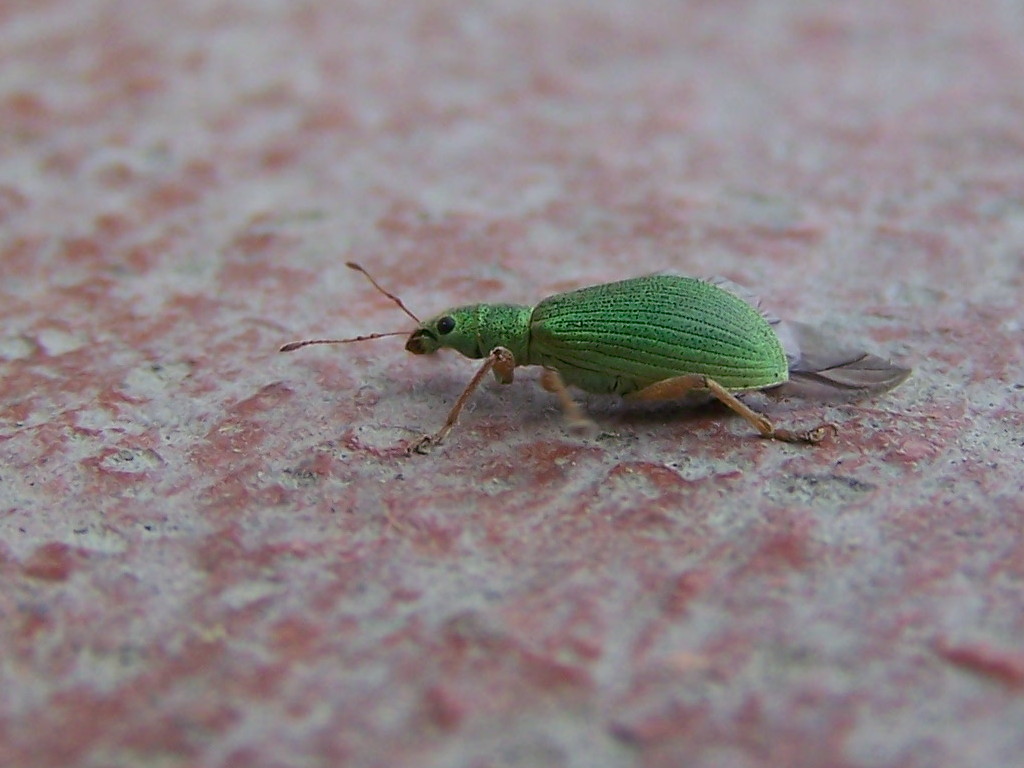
(215, 555)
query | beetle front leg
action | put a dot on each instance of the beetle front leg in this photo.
(503, 363)
(676, 387)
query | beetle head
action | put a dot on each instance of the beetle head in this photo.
(455, 329)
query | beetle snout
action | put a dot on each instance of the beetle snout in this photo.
(417, 343)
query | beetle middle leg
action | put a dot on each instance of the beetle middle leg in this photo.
(552, 381)
(677, 386)
(503, 364)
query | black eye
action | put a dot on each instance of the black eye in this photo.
(446, 325)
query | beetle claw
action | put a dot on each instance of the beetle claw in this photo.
(422, 445)
(819, 431)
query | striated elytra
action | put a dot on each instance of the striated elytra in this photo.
(650, 338)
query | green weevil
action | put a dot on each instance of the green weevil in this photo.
(657, 337)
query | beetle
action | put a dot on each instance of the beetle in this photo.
(656, 337)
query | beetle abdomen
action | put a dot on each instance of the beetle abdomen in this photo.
(621, 337)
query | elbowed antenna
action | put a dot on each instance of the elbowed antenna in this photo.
(398, 301)
(292, 346)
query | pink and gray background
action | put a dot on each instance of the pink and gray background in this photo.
(212, 554)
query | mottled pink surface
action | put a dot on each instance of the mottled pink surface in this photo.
(215, 555)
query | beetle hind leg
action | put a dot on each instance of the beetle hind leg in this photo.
(578, 423)
(678, 386)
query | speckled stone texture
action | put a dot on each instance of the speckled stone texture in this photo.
(212, 554)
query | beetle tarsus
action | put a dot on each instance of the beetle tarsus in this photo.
(810, 436)
(422, 445)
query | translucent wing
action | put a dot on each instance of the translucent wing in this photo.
(820, 366)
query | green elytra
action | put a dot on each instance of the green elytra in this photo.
(647, 338)
(619, 338)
